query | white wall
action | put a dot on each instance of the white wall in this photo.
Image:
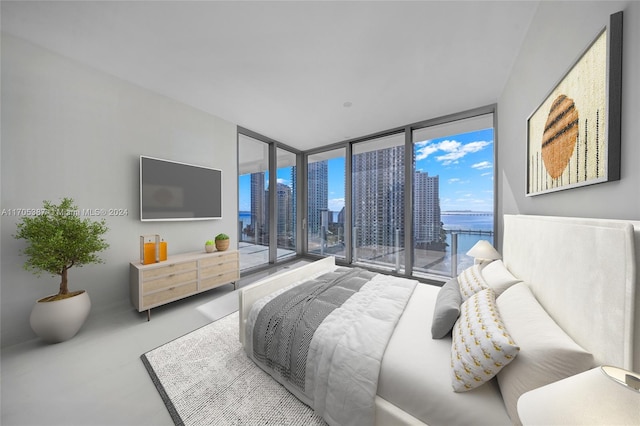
(559, 32)
(71, 131)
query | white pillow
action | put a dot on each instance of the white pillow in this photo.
(471, 282)
(481, 345)
(498, 276)
(547, 353)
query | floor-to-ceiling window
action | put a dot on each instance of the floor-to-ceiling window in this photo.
(286, 203)
(453, 193)
(325, 222)
(412, 200)
(378, 197)
(268, 209)
(253, 201)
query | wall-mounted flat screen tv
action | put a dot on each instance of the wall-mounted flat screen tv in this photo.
(170, 190)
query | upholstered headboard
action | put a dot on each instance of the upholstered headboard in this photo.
(584, 273)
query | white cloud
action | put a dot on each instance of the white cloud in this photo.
(482, 165)
(458, 181)
(335, 204)
(453, 150)
(449, 146)
(450, 158)
(476, 146)
(425, 152)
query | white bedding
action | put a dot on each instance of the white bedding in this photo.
(399, 362)
(346, 351)
(415, 373)
(344, 362)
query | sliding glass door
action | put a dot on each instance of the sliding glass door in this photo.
(378, 197)
(286, 203)
(253, 202)
(325, 221)
(453, 199)
(267, 200)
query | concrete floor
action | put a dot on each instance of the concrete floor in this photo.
(97, 377)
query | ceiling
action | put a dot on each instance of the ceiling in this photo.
(303, 73)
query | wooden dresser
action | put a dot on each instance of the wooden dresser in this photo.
(180, 276)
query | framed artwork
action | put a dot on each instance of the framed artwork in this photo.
(573, 137)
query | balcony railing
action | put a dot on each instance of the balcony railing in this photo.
(445, 261)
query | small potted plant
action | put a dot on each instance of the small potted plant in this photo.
(58, 239)
(222, 242)
(210, 246)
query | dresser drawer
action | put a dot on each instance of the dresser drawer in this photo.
(169, 294)
(220, 260)
(218, 279)
(170, 280)
(169, 269)
(208, 271)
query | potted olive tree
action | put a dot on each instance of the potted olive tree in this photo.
(57, 240)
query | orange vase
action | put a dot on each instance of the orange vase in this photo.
(149, 253)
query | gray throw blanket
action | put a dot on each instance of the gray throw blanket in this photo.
(281, 339)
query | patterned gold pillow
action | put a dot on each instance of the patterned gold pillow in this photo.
(481, 344)
(471, 281)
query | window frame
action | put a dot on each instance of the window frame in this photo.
(348, 145)
(273, 147)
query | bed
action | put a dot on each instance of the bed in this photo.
(561, 301)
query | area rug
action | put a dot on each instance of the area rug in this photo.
(205, 378)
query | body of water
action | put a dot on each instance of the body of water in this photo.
(245, 218)
(457, 221)
(471, 221)
(468, 222)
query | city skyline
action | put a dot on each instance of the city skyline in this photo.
(463, 162)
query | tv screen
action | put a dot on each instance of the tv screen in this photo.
(170, 190)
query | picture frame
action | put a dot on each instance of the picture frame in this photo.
(574, 136)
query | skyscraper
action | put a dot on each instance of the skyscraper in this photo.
(285, 212)
(318, 194)
(259, 208)
(378, 207)
(426, 208)
(294, 194)
(378, 194)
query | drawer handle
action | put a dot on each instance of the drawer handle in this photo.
(171, 275)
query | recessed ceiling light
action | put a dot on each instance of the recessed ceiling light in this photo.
(347, 104)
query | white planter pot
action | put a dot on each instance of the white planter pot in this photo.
(209, 248)
(60, 320)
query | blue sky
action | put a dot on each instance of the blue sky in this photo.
(464, 163)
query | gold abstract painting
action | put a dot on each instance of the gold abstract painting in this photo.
(569, 133)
